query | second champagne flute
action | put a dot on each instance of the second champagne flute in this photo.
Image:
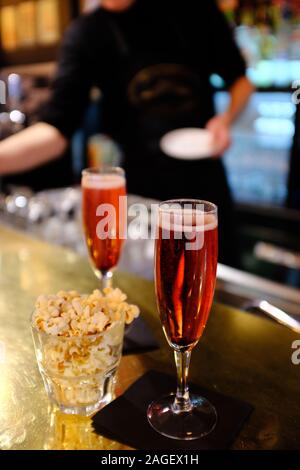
(104, 218)
(186, 258)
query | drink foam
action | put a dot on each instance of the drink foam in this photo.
(187, 220)
(102, 181)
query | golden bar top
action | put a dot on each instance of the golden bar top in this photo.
(240, 354)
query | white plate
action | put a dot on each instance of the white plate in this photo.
(188, 144)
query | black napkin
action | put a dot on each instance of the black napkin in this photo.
(125, 418)
(139, 338)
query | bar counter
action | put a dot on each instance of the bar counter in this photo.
(240, 355)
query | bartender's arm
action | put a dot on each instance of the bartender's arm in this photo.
(220, 124)
(49, 139)
(226, 60)
(31, 148)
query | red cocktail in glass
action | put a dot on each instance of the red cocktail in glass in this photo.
(185, 273)
(104, 213)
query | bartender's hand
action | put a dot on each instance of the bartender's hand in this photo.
(220, 129)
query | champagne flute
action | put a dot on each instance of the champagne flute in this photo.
(104, 212)
(186, 255)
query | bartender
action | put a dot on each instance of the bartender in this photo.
(152, 61)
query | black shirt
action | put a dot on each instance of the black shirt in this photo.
(152, 63)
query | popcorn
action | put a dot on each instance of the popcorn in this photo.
(71, 314)
(82, 344)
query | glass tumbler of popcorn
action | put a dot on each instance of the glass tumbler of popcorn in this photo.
(79, 373)
(78, 343)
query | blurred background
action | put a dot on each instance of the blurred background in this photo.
(263, 164)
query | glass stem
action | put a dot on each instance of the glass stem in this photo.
(182, 401)
(107, 279)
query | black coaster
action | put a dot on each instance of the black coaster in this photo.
(139, 338)
(125, 418)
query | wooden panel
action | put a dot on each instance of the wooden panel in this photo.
(8, 27)
(24, 44)
(26, 23)
(48, 22)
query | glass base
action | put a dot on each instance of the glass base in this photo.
(82, 397)
(199, 421)
(87, 410)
